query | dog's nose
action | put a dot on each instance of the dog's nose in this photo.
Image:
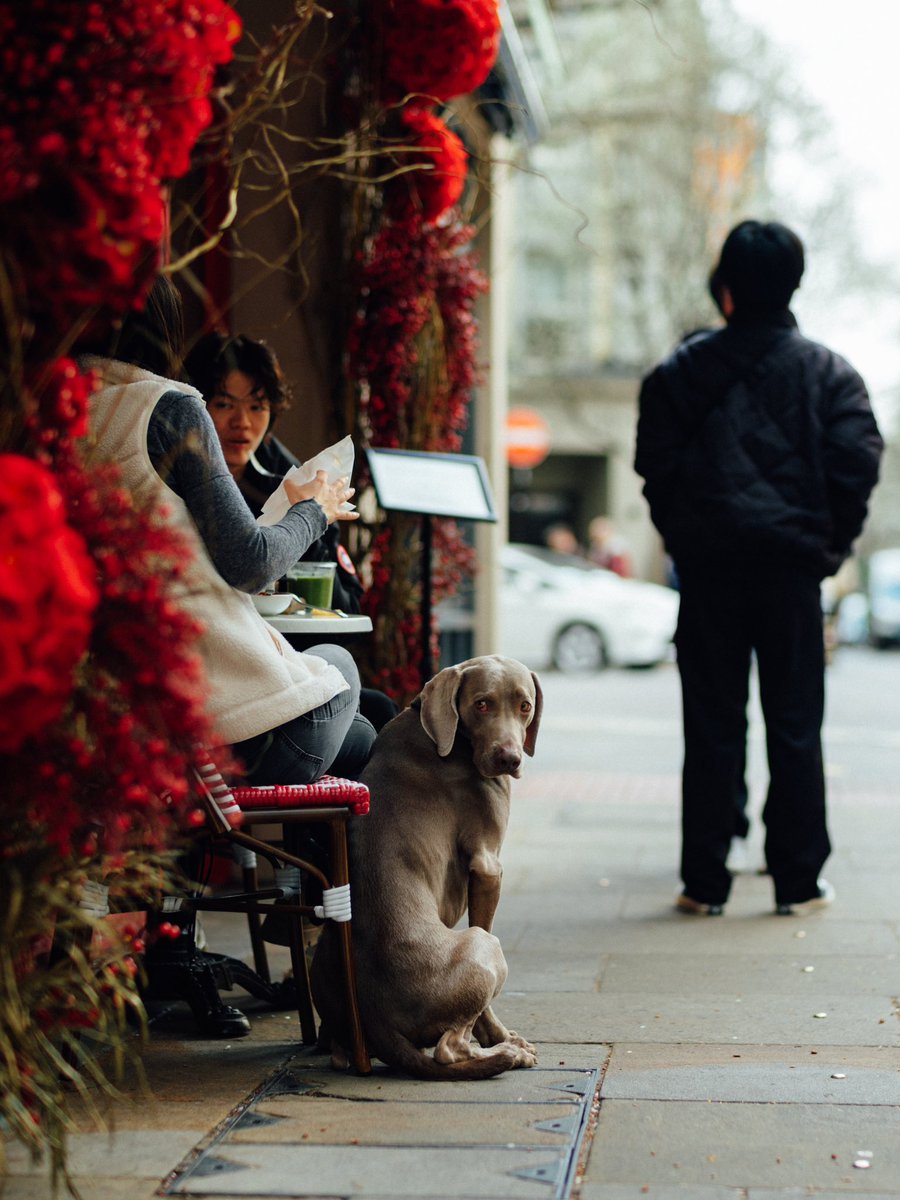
(508, 759)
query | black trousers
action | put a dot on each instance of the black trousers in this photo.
(724, 618)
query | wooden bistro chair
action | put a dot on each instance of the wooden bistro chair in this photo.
(231, 814)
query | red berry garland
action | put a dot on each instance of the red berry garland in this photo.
(412, 352)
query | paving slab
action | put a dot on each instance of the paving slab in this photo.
(750, 975)
(805, 1193)
(596, 901)
(650, 925)
(37, 1187)
(119, 1153)
(801, 1074)
(551, 973)
(635, 1016)
(291, 1139)
(735, 1145)
(319, 1121)
(367, 1172)
(637, 1191)
(533, 1085)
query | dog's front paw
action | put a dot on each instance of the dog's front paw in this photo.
(526, 1055)
(517, 1040)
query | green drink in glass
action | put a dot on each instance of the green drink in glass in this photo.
(313, 582)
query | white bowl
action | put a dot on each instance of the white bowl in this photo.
(270, 604)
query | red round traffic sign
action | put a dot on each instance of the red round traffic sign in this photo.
(527, 438)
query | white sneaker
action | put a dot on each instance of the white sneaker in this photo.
(687, 904)
(805, 908)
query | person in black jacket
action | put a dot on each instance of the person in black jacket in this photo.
(759, 450)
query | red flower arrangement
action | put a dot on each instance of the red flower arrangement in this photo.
(101, 693)
(439, 162)
(98, 105)
(44, 568)
(437, 48)
(113, 772)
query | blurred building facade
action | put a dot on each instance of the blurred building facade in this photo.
(616, 217)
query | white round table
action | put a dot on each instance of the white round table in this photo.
(313, 627)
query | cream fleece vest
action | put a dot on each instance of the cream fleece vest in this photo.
(256, 680)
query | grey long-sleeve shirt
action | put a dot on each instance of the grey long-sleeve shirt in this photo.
(185, 451)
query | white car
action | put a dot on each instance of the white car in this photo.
(561, 611)
(884, 598)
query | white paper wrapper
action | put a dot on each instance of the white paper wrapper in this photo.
(336, 461)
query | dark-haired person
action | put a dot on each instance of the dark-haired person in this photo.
(288, 716)
(243, 385)
(759, 451)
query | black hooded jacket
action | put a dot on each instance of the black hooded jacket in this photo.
(757, 447)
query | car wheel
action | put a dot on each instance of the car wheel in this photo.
(579, 647)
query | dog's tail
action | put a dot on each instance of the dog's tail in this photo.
(403, 1054)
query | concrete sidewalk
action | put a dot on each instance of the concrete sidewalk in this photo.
(746, 1056)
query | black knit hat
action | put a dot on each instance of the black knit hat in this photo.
(761, 265)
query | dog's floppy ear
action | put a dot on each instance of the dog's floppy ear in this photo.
(439, 714)
(532, 731)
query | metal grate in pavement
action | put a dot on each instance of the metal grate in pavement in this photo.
(308, 1132)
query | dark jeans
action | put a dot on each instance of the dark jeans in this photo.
(723, 618)
(334, 738)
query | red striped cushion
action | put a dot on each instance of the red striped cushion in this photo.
(220, 793)
(327, 790)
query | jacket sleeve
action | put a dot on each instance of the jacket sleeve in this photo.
(185, 451)
(661, 438)
(852, 453)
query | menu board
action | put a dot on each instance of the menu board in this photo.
(438, 485)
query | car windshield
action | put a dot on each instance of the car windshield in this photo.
(553, 557)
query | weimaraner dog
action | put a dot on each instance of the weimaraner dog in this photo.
(428, 850)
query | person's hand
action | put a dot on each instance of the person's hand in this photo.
(330, 496)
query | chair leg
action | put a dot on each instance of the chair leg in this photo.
(300, 968)
(250, 882)
(247, 861)
(341, 876)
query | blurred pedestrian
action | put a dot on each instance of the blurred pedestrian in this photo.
(607, 548)
(562, 539)
(759, 450)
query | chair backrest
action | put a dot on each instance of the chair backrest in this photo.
(222, 809)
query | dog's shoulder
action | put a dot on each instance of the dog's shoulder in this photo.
(401, 740)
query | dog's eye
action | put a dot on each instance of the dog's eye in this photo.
(482, 705)
(525, 706)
